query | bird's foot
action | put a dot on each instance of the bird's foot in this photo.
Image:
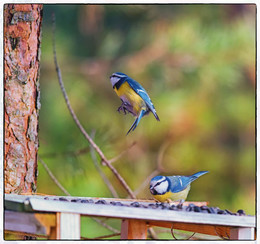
(179, 205)
(170, 202)
(125, 107)
(122, 108)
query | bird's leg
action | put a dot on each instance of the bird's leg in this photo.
(125, 107)
(122, 107)
(170, 202)
(180, 203)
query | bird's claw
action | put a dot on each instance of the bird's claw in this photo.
(122, 108)
(180, 204)
(125, 107)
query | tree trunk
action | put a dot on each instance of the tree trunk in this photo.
(22, 36)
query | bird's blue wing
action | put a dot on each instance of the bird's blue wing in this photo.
(179, 183)
(139, 90)
(143, 94)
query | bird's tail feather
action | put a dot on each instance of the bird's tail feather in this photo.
(197, 175)
(136, 122)
(155, 115)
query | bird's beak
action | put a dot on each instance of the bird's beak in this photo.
(152, 190)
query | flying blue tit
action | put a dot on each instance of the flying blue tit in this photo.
(135, 99)
(172, 188)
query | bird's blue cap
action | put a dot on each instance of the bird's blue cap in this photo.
(119, 74)
(156, 178)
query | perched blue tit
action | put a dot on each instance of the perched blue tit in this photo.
(172, 188)
(133, 96)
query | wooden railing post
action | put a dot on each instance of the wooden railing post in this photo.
(242, 233)
(68, 226)
(133, 229)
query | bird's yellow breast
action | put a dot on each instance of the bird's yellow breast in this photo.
(173, 196)
(127, 94)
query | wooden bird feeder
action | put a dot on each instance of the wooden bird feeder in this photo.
(57, 217)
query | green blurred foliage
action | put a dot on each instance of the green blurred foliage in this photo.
(197, 63)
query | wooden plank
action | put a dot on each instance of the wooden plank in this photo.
(133, 229)
(240, 233)
(20, 235)
(141, 213)
(68, 226)
(23, 222)
(215, 230)
(21, 198)
(48, 221)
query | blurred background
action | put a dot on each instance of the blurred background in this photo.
(197, 62)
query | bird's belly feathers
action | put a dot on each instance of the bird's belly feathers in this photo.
(128, 95)
(173, 196)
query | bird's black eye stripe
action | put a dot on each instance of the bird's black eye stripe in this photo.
(157, 184)
(113, 76)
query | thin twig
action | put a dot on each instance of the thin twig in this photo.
(159, 167)
(67, 193)
(122, 153)
(103, 176)
(86, 135)
(152, 233)
(105, 225)
(181, 239)
(146, 182)
(53, 177)
(178, 232)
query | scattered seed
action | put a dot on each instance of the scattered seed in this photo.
(135, 204)
(204, 207)
(161, 205)
(116, 203)
(229, 212)
(173, 207)
(212, 210)
(84, 201)
(220, 211)
(197, 209)
(241, 212)
(75, 200)
(101, 202)
(63, 199)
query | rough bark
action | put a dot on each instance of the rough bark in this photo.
(22, 35)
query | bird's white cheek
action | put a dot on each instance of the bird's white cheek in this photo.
(162, 188)
(113, 80)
